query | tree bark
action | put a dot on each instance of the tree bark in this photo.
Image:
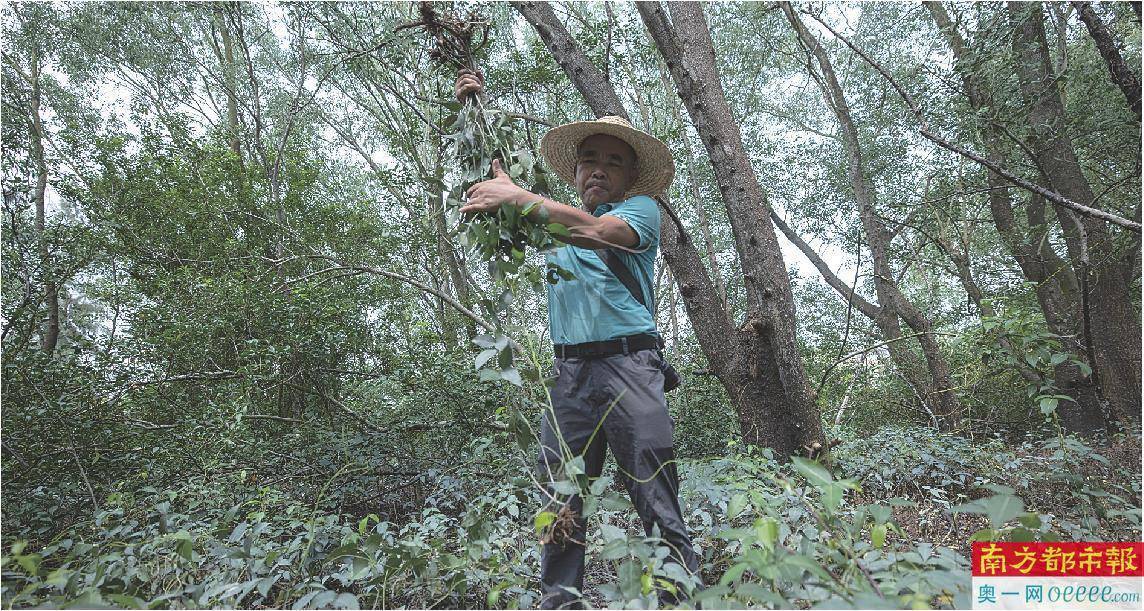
(696, 195)
(445, 252)
(1106, 293)
(769, 355)
(893, 303)
(758, 363)
(1056, 286)
(1121, 74)
(226, 57)
(672, 316)
(51, 332)
(889, 326)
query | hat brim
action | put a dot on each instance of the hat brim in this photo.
(653, 159)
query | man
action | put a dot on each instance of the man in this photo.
(609, 388)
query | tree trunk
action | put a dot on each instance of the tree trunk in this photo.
(758, 364)
(1113, 335)
(1056, 286)
(697, 196)
(445, 252)
(1121, 73)
(226, 57)
(672, 317)
(769, 367)
(939, 393)
(51, 332)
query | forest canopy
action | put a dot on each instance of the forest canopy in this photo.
(255, 357)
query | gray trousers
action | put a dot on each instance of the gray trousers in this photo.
(638, 430)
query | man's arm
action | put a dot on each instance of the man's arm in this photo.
(587, 231)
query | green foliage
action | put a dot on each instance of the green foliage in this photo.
(479, 136)
(770, 534)
(1019, 339)
(952, 473)
(239, 415)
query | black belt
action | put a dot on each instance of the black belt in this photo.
(622, 345)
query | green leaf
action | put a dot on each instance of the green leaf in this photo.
(512, 376)
(504, 358)
(565, 487)
(985, 534)
(591, 504)
(185, 549)
(29, 562)
(575, 466)
(484, 357)
(600, 485)
(880, 513)
(558, 229)
(346, 600)
(832, 496)
(762, 594)
(488, 375)
(127, 601)
(612, 533)
(1021, 534)
(815, 473)
(615, 502)
(630, 575)
(878, 536)
(736, 505)
(767, 529)
(807, 563)
(1001, 508)
(734, 573)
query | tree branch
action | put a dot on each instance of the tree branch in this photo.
(870, 310)
(925, 131)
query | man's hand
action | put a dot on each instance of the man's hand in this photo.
(488, 195)
(468, 83)
(586, 230)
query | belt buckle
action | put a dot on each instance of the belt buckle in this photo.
(624, 345)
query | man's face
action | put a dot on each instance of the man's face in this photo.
(605, 168)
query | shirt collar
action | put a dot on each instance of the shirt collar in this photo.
(603, 208)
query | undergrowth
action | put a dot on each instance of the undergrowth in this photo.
(887, 525)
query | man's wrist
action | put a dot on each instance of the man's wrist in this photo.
(527, 197)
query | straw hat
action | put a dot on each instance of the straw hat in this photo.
(653, 158)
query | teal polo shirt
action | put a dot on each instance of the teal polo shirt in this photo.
(595, 305)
